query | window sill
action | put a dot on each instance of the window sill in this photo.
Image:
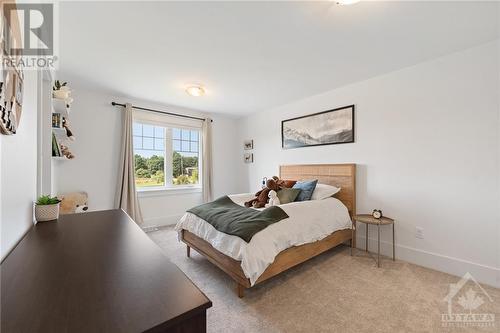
(164, 191)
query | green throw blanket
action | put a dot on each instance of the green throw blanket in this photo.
(232, 219)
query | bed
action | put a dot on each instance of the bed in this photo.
(206, 241)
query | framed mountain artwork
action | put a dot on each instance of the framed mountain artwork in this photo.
(322, 128)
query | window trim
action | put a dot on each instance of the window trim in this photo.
(171, 189)
(143, 192)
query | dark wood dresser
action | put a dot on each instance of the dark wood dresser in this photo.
(96, 272)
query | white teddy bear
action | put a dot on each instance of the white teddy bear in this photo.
(273, 199)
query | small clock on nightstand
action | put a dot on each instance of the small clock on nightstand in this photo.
(377, 213)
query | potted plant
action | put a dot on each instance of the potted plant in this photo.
(47, 208)
(60, 90)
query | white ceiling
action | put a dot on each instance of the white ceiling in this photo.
(252, 56)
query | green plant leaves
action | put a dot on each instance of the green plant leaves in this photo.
(47, 200)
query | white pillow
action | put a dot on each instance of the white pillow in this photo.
(323, 191)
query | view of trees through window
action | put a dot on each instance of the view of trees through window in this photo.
(149, 171)
(150, 152)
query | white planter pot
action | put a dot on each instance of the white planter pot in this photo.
(61, 94)
(46, 212)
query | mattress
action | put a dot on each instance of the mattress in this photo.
(308, 221)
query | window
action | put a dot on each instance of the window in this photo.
(149, 155)
(166, 157)
(185, 147)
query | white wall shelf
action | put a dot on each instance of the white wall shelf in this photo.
(62, 108)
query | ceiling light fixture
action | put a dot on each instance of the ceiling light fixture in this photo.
(195, 91)
(347, 2)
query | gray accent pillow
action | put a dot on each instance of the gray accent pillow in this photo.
(287, 195)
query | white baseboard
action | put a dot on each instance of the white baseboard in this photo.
(161, 221)
(454, 266)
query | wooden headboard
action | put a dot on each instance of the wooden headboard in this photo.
(339, 175)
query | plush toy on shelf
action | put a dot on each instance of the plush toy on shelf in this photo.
(69, 133)
(273, 199)
(66, 153)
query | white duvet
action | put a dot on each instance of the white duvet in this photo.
(308, 221)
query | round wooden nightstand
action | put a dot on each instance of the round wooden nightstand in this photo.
(369, 219)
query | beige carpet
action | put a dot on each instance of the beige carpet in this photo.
(333, 292)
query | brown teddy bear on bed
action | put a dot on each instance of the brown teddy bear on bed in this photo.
(261, 197)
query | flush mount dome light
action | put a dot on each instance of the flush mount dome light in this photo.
(195, 91)
(347, 2)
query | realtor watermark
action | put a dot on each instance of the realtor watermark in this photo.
(28, 35)
(464, 300)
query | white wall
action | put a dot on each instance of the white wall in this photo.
(18, 155)
(97, 127)
(427, 149)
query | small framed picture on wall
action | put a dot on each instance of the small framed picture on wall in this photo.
(248, 145)
(248, 157)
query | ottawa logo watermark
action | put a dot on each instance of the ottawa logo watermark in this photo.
(467, 295)
(27, 35)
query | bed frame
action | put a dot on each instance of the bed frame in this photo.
(340, 175)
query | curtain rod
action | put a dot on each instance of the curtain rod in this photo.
(158, 111)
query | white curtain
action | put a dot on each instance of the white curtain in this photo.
(126, 194)
(207, 160)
